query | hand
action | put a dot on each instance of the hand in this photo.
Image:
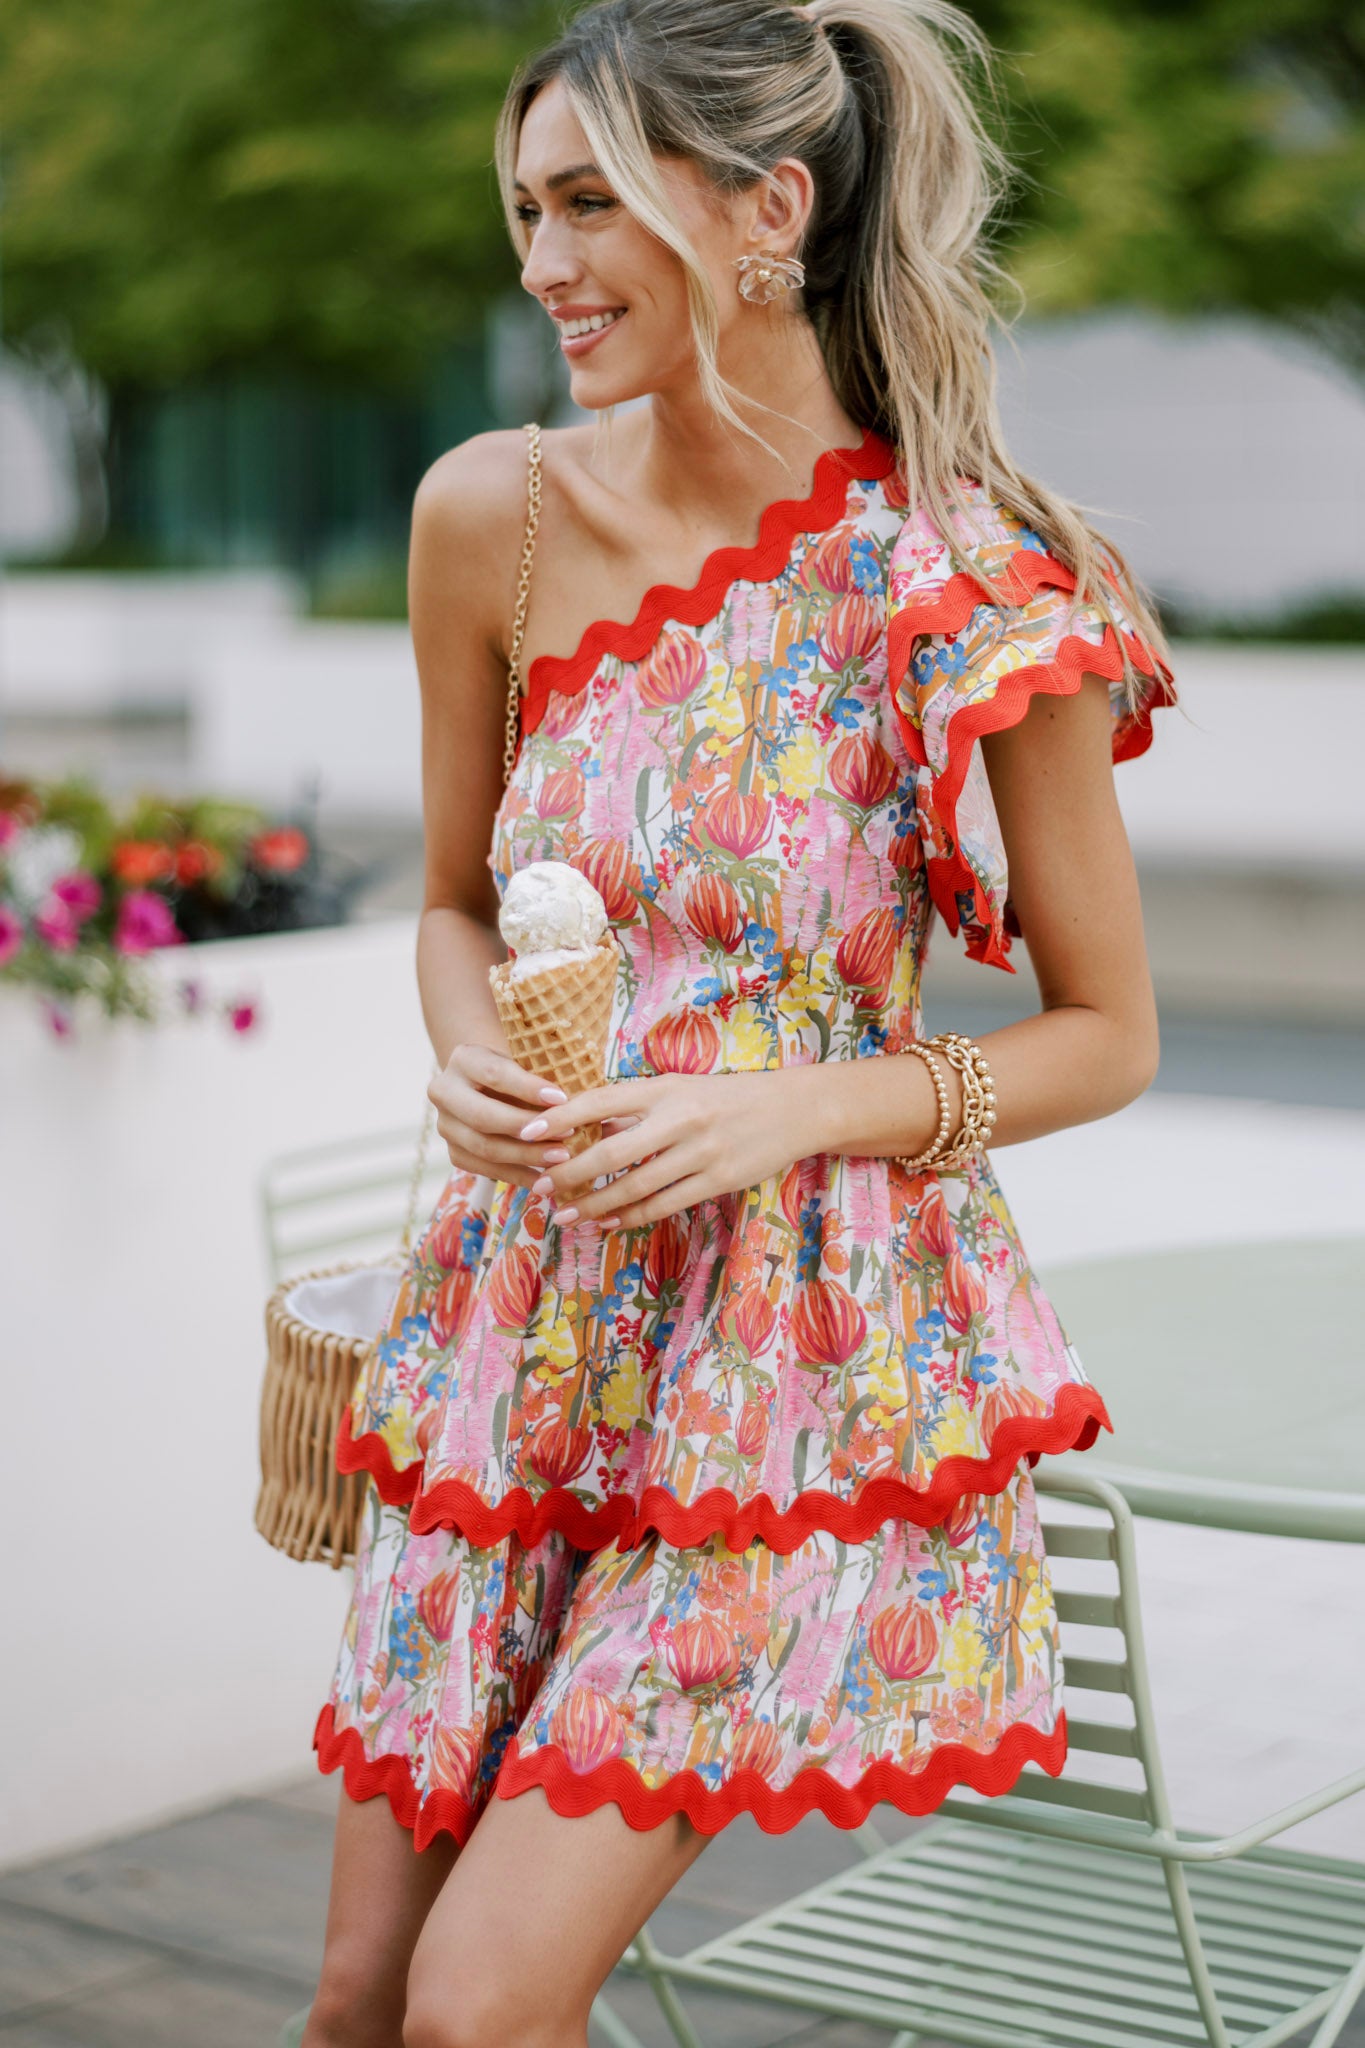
(481, 1097)
(675, 1140)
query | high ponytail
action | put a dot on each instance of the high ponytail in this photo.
(880, 100)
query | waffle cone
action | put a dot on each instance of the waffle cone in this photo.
(556, 1024)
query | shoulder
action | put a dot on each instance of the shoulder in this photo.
(475, 489)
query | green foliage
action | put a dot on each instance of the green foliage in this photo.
(270, 183)
(1195, 155)
(307, 185)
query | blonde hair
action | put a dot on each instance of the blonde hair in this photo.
(875, 97)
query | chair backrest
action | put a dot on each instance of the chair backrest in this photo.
(346, 1199)
(1113, 1769)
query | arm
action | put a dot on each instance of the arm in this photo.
(1091, 1049)
(466, 539)
(1094, 1044)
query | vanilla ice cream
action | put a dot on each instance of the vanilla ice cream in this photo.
(550, 915)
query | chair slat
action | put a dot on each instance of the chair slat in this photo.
(1097, 1610)
(1077, 1539)
(1079, 1792)
(1103, 1737)
(1095, 1674)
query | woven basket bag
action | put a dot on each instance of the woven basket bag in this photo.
(322, 1327)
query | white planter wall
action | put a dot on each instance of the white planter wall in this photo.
(157, 1653)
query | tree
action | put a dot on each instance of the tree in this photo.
(300, 184)
(1195, 155)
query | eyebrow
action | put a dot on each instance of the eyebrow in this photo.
(558, 178)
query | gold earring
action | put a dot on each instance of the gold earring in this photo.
(765, 276)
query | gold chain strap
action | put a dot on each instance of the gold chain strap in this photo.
(511, 736)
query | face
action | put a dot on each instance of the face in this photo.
(616, 293)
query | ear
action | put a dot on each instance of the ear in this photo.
(783, 202)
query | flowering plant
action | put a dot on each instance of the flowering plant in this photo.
(87, 891)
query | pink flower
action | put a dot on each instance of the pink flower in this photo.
(58, 1018)
(242, 1016)
(11, 930)
(57, 926)
(80, 892)
(10, 828)
(144, 923)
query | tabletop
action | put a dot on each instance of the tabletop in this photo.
(1235, 1379)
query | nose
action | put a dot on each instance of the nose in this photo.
(548, 267)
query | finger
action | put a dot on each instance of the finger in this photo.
(497, 1118)
(629, 1188)
(609, 1155)
(489, 1069)
(480, 1169)
(497, 1154)
(614, 1099)
(669, 1201)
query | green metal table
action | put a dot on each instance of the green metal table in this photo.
(1235, 1379)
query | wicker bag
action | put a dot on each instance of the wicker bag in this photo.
(322, 1327)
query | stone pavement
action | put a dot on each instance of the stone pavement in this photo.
(206, 1933)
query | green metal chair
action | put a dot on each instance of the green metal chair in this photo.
(1071, 1912)
(347, 1199)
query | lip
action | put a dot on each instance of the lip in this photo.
(579, 344)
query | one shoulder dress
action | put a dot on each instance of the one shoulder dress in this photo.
(734, 1512)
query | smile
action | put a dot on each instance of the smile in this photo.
(576, 337)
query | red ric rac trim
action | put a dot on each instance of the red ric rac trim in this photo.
(1073, 1425)
(1027, 570)
(723, 567)
(573, 1793)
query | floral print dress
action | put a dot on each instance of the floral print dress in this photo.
(733, 1513)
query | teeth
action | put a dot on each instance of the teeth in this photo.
(569, 328)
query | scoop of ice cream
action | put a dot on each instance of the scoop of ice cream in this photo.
(549, 907)
(538, 963)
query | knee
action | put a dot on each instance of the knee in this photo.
(353, 2007)
(466, 2014)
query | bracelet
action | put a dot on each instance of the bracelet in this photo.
(978, 1096)
(931, 1151)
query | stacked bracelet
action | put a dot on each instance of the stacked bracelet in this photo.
(978, 1101)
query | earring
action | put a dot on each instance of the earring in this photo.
(765, 276)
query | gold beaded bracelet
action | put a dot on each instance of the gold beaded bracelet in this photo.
(978, 1096)
(978, 1101)
(945, 1110)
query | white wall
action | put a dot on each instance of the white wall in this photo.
(157, 1653)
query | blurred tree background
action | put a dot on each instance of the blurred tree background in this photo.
(271, 231)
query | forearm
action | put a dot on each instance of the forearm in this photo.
(1063, 1066)
(454, 954)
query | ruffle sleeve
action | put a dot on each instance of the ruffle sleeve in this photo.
(978, 623)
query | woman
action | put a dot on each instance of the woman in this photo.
(702, 1459)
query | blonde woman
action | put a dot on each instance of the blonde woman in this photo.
(702, 1459)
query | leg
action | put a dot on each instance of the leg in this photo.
(382, 1891)
(533, 1919)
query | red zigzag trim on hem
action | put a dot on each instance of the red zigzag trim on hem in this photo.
(574, 1793)
(1074, 1424)
(1026, 571)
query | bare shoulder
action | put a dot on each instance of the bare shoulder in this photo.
(474, 492)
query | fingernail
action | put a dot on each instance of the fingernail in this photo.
(610, 1222)
(555, 1155)
(564, 1216)
(535, 1129)
(549, 1094)
(543, 1186)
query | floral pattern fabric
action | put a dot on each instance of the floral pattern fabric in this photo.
(815, 1400)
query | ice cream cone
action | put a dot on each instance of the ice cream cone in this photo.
(557, 1022)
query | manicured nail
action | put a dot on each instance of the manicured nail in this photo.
(555, 1155)
(610, 1222)
(564, 1216)
(543, 1186)
(535, 1129)
(552, 1095)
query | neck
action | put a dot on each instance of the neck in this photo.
(688, 459)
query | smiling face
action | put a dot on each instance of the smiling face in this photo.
(617, 294)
